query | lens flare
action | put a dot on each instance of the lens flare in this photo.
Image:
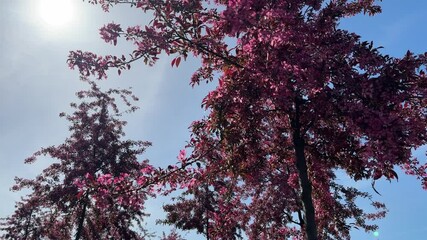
(56, 12)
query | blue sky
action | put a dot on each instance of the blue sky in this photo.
(37, 85)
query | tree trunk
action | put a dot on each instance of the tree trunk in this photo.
(309, 225)
(205, 203)
(81, 221)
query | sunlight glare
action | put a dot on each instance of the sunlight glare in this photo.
(56, 12)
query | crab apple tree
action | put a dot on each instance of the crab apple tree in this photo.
(91, 191)
(297, 99)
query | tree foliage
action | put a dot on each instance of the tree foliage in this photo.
(297, 99)
(89, 192)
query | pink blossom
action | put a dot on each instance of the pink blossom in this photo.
(182, 156)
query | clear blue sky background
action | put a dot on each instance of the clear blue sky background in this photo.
(36, 86)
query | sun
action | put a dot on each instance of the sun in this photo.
(56, 12)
